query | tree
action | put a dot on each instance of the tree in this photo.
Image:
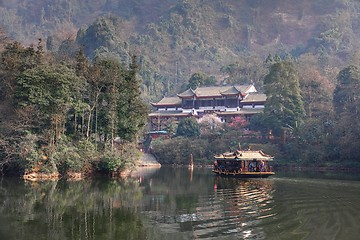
(120, 111)
(346, 105)
(188, 127)
(200, 79)
(51, 90)
(346, 95)
(284, 103)
(238, 122)
(14, 60)
(210, 123)
(316, 88)
(131, 110)
(249, 69)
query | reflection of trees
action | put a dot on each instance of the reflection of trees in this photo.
(72, 210)
(173, 204)
(175, 190)
(243, 204)
(195, 210)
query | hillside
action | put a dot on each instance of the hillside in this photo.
(175, 39)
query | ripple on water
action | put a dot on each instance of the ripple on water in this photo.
(235, 210)
(273, 209)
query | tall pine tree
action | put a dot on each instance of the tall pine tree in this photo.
(284, 106)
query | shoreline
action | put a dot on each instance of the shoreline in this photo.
(149, 163)
(319, 169)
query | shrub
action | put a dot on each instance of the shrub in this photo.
(188, 127)
(66, 156)
(119, 159)
(34, 155)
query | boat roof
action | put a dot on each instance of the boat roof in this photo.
(244, 155)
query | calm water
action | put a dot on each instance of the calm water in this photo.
(178, 204)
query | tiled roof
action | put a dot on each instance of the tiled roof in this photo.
(215, 91)
(254, 97)
(231, 91)
(259, 155)
(187, 93)
(168, 101)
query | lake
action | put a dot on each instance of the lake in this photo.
(176, 203)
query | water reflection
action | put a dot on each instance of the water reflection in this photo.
(75, 210)
(224, 208)
(175, 203)
(236, 207)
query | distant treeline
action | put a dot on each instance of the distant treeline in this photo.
(227, 40)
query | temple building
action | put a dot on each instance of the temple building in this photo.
(225, 102)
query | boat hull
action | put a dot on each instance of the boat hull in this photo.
(243, 174)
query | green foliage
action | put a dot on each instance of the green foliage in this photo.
(119, 160)
(284, 106)
(50, 88)
(100, 34)
(66, 156)
(111, 162)
(171, 49)
(266, 124)
(188, 127)
(34, 155)
(346, 105)
(14, 60)
(312, 145)
(74, 156)
(190, 36)
(346, 94)
(121, 109)
(200, 79)
(178, 150)
(132, 111)
(249, 70)
(171, 126)
(63, 116)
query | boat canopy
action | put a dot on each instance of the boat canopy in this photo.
(244, 155)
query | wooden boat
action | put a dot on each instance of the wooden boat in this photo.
(243, 164)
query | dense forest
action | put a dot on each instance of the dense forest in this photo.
(177, 38)
(68, 117)
(302, 54)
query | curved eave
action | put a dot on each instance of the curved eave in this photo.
(231, 95)
(186, 97)
(187, 94)
(165, 105)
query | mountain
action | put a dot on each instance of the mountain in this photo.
(176, 38)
